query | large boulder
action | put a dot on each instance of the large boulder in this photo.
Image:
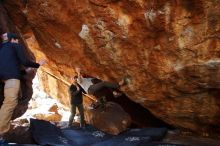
(111, 119)
(169, 50)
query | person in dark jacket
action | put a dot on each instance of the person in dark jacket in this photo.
(76, 101)
(12, 57)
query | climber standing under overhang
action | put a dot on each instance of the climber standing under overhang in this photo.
(76, 101)
(12, 57)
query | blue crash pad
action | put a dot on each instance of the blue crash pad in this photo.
(45, 133)
(92, 136)
(155, 133)
(85, 137)
(124, 141)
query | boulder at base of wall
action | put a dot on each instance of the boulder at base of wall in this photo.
(112, 119)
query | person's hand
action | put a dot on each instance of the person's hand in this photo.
(42, 62)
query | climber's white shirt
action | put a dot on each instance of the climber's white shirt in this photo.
(85, 83)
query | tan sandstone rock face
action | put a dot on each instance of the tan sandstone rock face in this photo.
(169, 49)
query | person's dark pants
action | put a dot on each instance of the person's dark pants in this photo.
(73, 113)
(96, 87)
(93, 89)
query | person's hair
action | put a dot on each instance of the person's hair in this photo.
(73, 88)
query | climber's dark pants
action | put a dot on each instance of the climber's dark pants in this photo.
(73, 113)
